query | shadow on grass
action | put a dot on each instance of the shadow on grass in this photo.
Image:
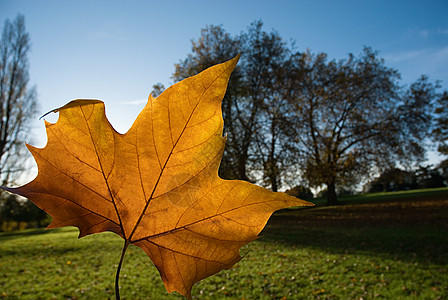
(410, 195)
(405, 229)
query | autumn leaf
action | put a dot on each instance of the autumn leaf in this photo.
(156, 186)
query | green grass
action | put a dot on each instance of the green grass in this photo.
(386, 248)
(384, 196)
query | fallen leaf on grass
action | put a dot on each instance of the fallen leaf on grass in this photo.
(156, 186)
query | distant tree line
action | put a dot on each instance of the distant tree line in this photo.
(396, 179)
(17, 213)
(298, 118)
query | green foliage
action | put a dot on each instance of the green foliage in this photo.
(393, 180)
(18, 214)
(301, 192)
(396, 179)
(318, 253)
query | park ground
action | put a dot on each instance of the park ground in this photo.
(384, 246)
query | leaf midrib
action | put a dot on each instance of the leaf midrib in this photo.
(171, 152)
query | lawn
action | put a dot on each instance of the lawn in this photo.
(389, 246)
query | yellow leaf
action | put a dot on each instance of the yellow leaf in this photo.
(156, 186)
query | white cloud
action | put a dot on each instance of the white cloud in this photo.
(413, 63)
(426, 33)
(109, 31)
(107, 35)
(423, 33)
(404, 56)
(133, 102)
(437, 56)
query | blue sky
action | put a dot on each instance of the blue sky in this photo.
(116, 50)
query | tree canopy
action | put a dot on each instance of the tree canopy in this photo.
(440, 131)
(352, 118)
(296, 117)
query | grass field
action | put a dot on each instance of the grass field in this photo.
(386, 246)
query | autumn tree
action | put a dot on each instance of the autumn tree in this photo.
(296, 114)
(440, 131)
(353, 118)
(267, 82)
(254, 105)
(17, 98)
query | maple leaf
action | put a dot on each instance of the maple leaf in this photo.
(156, 186)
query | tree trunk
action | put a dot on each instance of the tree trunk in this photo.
(242, 171)
(274, 185)
(332, 197)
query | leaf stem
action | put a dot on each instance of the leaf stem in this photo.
(117, 276)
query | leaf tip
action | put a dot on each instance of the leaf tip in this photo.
(234, 61)
(46, 114)
(73, 103)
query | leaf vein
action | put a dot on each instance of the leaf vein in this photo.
(182, 253)
(169, 155)
(174, 230)
(104, 175)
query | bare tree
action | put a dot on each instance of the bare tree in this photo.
(353, 118)
(267, 85)
(17, 99)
